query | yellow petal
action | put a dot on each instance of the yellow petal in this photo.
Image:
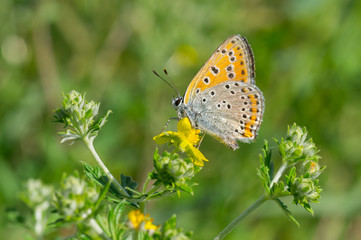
(149, 225)
(197, 156)
(185, 129)
(136, 217)
(166, 137)
(184, 125)
(185, 140)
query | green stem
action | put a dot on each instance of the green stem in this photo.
(152, 190)
(238, 219)
(142, 206)
(278, 174)
(89, 144)
(135, 235)
(146, 184)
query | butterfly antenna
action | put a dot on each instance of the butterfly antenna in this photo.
(169, 84)
(171, 81)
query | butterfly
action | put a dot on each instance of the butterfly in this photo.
(222, 100)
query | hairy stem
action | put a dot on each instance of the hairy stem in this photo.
(89, 144)
(152, 190)
(146, 184)
(238, 219)
(278, 174)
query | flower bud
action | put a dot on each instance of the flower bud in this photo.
(171, 170)
(296, 134)
(305, 190)
(80, 116)
(297, 147)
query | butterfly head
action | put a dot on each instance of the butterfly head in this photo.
(176, 102)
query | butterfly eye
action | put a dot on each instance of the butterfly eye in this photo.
(177, 101)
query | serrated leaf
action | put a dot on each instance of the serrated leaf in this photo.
(262, 173)
(308, 207)
(128, 182)
(281, 148)
(291, 177)
(186, 188)
(266, 167)
(93, 172)
(100, 178)
(286, 211)
(101, 121)
(267, 153)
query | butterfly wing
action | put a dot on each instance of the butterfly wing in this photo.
(232, 61)
(231, 111)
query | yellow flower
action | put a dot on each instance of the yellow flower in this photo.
(188, 133)
(184, 140)
(136, 217)
(149, 225)
(139, 221)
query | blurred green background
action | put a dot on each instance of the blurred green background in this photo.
(308, 58)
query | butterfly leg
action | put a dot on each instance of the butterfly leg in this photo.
(201, 139)
(166, 125)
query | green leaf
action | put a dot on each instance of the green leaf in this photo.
(101, 179)
(128, 182)
(267, 155)
(281, 148)
(265, 178)
(98, 124)
(60, 116)
(114, 218)
(286, 211)
(291, 177)
(265, 172)
(102, 194)
(279, 190)
(308, 207)
(171, 223)
(170, 231)
(95, 174)
(186, 188)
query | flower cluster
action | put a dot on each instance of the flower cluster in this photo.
(173, 171)
(77, 198)
(38, 197)
(301, 153)
(36, 193)
(300, 169)
(296, 147)
(79, 115)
